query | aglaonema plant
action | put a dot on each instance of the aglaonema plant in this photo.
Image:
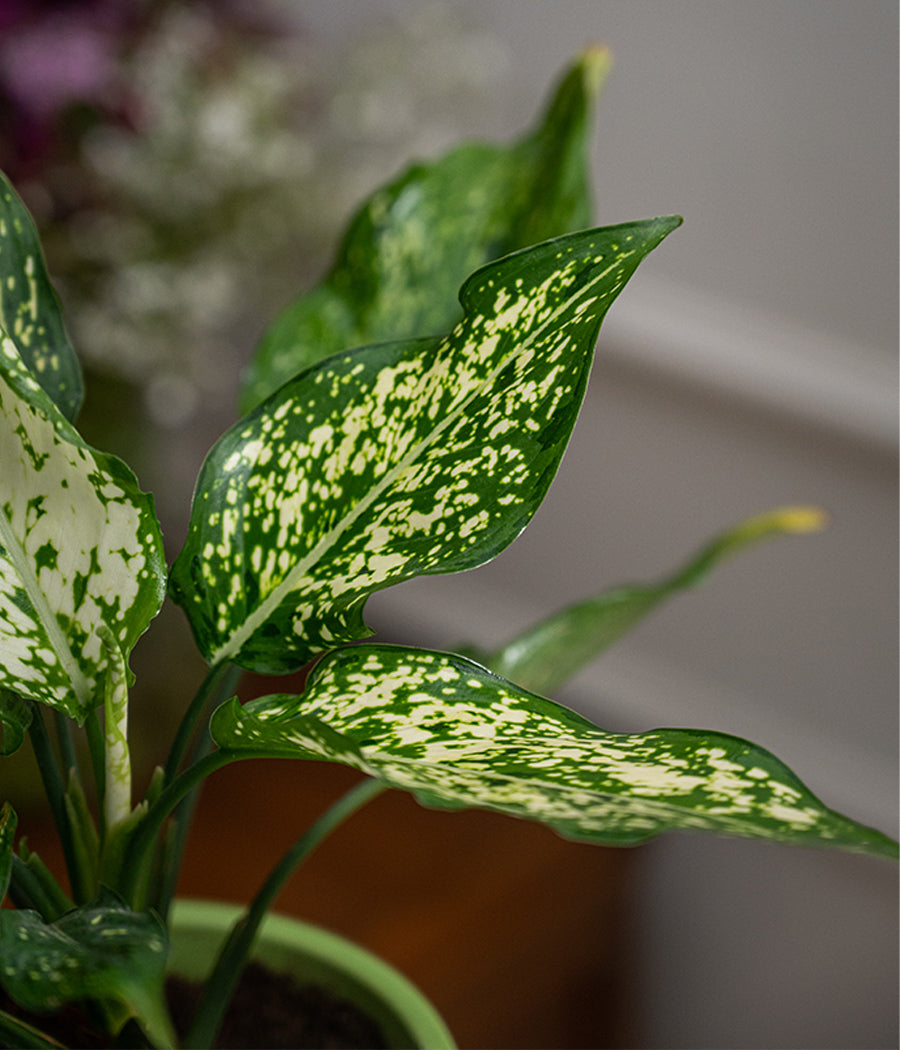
(391, 430)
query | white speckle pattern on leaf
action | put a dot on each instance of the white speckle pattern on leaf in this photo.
(100, 950)
(456, 735)
(80, 551)
(398, 460)
(29, 311)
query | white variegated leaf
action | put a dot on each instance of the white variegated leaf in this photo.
(455, 735)
(80, 550)
(399, 459)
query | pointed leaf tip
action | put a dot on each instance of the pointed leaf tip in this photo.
(596, 61)
(545, 656)
(414, 241)
(799, 520)
(455, 735)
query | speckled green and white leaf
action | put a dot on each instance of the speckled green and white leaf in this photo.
(548, 654)
(456, 735)
(416, 239)
(400, 459)
(29, 309)
(306, 737)
(80, 549)
(99, 951)
(7, 838)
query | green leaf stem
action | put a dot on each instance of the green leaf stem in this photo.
(29, 309)
(415, 240)
(80, 550)
(7, 837)
(22, 1036)
(548, 654)
(456, 735)
(99, 951)
(400, 459)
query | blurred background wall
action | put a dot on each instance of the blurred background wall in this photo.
(190, 172)
(751, 363)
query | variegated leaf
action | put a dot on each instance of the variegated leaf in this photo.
(99, 951)
(415, 240)
(29, 309)
(544, 657)
(456, 735)
(400, 459)
(80, 550)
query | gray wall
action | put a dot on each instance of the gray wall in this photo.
(771, 126)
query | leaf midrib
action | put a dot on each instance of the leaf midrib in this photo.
(231, 649)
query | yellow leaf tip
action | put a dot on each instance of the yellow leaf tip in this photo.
(596, 60)
(802, 519)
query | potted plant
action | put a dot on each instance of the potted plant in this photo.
(388, 430)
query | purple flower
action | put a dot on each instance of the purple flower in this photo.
(55, 54)
(47, 66)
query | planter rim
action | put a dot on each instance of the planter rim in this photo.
(402, 998)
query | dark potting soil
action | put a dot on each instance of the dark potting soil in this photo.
(271, 1010)
(268, 1011)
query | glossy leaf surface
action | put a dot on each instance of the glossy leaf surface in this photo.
(398, 460)
(456, 735)
(80, 550)
(29, 309)
(544, 657)
(99, 951)
(415, 240)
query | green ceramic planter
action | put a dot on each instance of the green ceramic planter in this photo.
(312, 955)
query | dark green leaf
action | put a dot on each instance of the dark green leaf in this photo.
(547, 655)
(29, 309)
(456, 735)
(415, 240)
(15, 718)
(80, 550)
(99, 951)
(396, 460)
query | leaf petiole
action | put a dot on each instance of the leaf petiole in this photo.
(219, 680)
(117, 795)
(33, 886)
(146, 833)
(64, 740)
(233, 955)
(14, 1032)
(48, 767)
(97, 750)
